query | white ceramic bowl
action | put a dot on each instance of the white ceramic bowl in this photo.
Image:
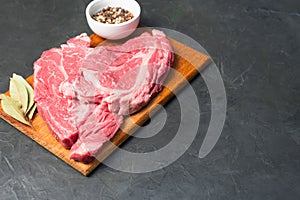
(113, 31)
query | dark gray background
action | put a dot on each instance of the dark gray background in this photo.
(256, 47)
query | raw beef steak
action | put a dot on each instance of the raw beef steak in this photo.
(57, 68)
(126, 77)
(82, 93)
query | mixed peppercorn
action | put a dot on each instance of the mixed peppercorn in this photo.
(113, 15)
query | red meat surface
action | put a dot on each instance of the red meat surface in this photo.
(82, 93)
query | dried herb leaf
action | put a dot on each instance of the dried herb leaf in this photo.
(13, 108)
(20, 105)
(30, 113)
(19, 93)
(29, 91)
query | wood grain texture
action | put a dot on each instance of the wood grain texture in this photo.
(187, 63)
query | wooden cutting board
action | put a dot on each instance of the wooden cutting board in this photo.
(187, 64)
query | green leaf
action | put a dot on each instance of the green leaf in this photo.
(29, 91)
(19, 93)
(13, 108)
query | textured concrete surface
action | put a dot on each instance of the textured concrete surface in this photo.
(256, 47)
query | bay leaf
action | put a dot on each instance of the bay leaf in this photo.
(29, 91)
(13, 109)
(19, 93)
